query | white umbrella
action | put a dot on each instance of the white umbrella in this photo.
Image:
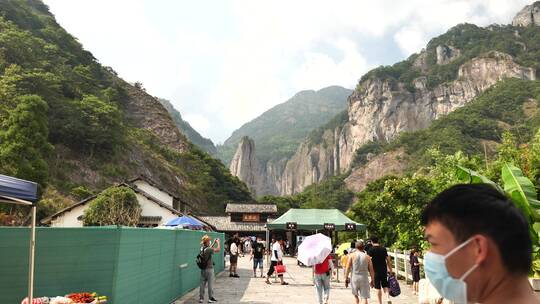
(314, 249)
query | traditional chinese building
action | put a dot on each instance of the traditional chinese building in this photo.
(244, 219)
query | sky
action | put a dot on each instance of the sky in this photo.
(222, 63)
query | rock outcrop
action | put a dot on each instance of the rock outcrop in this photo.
(391, 163)
(145, 111)
(446, 54)
(529, 15)
(245, 165)
(380, 110)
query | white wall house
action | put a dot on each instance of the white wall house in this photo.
(154, 211)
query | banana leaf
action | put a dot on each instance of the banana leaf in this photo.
(521, 190)
(472, 177)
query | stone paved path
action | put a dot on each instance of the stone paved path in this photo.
(249, 290)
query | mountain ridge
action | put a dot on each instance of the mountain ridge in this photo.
(454, 68)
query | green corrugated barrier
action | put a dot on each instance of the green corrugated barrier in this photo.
(129, 265)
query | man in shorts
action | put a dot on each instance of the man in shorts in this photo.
(382, 265)
(257, 254)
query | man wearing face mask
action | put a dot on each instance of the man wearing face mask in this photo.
(480, 247)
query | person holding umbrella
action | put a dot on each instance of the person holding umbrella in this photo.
(323, 272)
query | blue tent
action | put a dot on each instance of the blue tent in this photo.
(22, 192)
(18, 191)
(185, 221)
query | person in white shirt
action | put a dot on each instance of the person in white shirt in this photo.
(276, 259)
(234, 258)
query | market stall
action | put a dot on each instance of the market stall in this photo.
(22, 192)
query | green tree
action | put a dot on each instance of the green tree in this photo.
(390, 208)
(24, 146)
(114, 206)
(91, 124)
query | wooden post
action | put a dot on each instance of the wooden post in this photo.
(405, 262)
(396, 264)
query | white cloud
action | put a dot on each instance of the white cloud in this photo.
(319, 69)
(197, 121)
(223, 63)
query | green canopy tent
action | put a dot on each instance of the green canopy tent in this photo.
(313, 219)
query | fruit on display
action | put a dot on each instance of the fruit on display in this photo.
(72, 298)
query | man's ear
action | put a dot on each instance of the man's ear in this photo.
(481, 247)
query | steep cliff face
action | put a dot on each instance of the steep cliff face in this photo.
(245, 165)
(146, 112)
(380, 110)
(529, 15)
(453, 69)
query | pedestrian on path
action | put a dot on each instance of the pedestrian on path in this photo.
(480, 246)
(207, 274)
(382, 266)
(257, 253)
(234, 258)
(361, 267)
(323, 273)
(276, 259)
(415, 270)
(344, 259)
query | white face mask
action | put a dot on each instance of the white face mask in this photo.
(437, 273)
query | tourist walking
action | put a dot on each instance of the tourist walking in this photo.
(207, 274)
(415, 270)
(257, 253)
(323, 273)
(234, 258)
(361, 267)
(382, 266)
(276, 259)
(344, 259)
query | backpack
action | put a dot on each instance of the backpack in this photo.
(200, 260)
(393, 284)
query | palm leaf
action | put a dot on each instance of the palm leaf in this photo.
(521, 190)
(472, 177)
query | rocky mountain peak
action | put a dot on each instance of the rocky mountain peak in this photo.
(245, 165)
(529, 15)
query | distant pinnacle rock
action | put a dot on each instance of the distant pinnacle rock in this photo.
(529, 15)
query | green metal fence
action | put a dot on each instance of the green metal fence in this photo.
(129, 265)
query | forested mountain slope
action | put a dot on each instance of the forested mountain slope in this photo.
(75, 127)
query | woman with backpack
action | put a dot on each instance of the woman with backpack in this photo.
(204, 261)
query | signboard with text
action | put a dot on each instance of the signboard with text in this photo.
(292, 226)
(329, 226)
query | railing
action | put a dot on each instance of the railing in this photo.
(402, 266)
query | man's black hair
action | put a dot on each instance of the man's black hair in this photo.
(375, 239)
(472, 209)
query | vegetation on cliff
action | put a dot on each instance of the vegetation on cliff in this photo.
(65, 122)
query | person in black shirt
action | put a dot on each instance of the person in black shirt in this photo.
(257, 253)
(415, 270)
(382, 265)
